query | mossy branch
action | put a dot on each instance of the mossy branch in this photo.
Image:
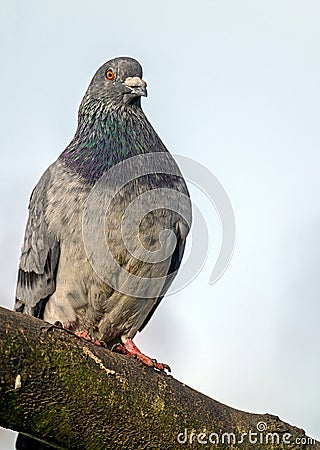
(73, 394)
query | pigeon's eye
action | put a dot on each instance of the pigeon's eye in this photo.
(110, 74)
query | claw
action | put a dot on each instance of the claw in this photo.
(162, 367)
(87, 337)
(129, 348)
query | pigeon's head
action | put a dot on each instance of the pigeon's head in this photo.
(118, 82)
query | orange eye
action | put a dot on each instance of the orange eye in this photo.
(110, 74)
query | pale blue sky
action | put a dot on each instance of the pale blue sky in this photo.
(236, 86)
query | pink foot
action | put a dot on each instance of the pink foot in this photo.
(129, 348)
(85, 335)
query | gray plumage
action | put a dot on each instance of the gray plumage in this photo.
(56, 280)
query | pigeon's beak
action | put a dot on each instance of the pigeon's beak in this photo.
(137, 86)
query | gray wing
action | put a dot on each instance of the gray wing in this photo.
(39, 254)
(176, 259)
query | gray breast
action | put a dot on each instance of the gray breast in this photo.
(92, 294)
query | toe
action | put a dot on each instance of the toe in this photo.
(162, 367)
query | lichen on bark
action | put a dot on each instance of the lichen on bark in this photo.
(75, 395)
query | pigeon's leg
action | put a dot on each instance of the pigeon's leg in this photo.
(130, 348)
(85, 335)
(82, 334)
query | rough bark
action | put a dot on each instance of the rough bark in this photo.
(76, 395)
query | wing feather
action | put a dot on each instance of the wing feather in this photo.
(39, 255)
(176, 259)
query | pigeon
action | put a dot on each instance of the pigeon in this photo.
(64, 276)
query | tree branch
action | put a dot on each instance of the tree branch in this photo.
(73, 394)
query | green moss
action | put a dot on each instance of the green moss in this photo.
(68, 399)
